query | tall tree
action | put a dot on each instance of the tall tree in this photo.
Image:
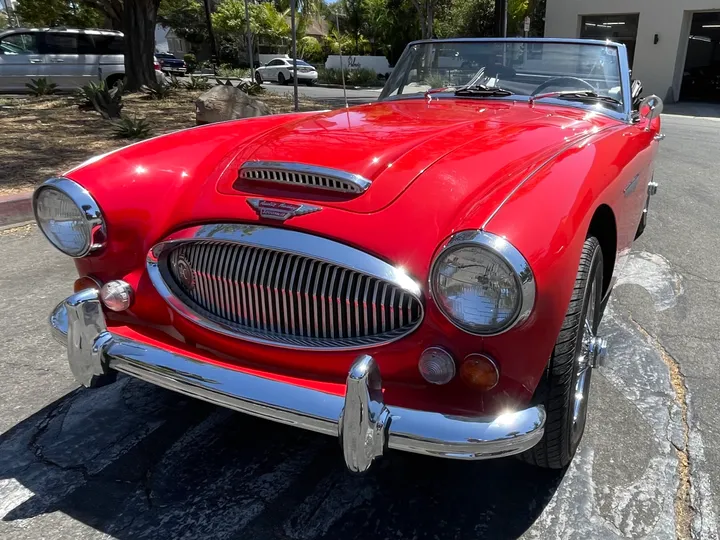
(139, 20)
(354, 20)
(58, 13)
(186, 18)
(4, 22)
(426, 15)
(465, 18)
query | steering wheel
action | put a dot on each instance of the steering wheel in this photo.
(563, 81)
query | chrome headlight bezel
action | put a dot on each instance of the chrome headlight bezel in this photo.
(509, 255)
(92, 217)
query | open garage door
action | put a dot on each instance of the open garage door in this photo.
(701, 76)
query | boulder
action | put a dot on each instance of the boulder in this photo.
(222, 103)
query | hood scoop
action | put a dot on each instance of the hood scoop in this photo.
(300, 175)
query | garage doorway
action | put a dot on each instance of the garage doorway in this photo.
(619, 28)
(701, 76)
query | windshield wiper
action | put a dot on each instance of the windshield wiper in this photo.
(482, 90)
(577, 95)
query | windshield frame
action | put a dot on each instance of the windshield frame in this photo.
(625, 115)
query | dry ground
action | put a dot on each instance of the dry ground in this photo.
(44, 136)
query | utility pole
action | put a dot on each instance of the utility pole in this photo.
(501, 17)
(213, 46)
(294, 55)
(249, 42)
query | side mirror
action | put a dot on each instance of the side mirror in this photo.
(651, 107)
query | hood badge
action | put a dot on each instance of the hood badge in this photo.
(280, 211)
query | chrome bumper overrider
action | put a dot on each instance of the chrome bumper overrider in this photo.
(362, 421)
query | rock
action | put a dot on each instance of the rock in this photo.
(222, 103)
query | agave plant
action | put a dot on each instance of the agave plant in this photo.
(157, 91)
(131, 128)
(106, 101)
(251, 88)
(198, 83)
(174, 83)
(41, 87)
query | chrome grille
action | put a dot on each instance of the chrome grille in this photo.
(310, 176)
(285, 298)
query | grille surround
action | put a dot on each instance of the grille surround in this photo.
(281, 244)
(307, 176)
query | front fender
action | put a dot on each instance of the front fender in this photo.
(547, 218)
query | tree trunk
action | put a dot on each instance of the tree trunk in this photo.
(139, 18)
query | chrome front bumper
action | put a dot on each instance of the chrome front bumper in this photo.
(362, 421)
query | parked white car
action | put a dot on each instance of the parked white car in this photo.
(281, 71)
(70, 58)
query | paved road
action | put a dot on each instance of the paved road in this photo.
(135, 461)
(329, 95)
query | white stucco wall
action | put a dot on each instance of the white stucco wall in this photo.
(659, 66)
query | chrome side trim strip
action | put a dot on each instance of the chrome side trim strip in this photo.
(365, 425)
(312, 176)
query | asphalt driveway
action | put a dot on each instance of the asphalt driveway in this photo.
(134, 461)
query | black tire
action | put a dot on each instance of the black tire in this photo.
(558, 388)
(113, 80)
(281, 79)
(310, 82)
(258, 78)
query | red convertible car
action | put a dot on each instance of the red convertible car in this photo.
(424, 273)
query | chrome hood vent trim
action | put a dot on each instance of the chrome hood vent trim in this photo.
(284, 288)
(300, 174)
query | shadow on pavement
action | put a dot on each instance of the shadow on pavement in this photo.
(131, 459)
(693, 108)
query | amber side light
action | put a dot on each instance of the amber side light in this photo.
(480, 372)
(86, 282)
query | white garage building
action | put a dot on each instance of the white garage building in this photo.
(673, 44)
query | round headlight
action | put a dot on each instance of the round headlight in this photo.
(482, 284)
(69, 217)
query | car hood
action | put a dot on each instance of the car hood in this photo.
(435, 167)
(393, 143)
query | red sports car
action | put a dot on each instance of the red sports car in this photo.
(425, 273)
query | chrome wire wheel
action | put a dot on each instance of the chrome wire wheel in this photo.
(583, 362)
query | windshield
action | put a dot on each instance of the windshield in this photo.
(524, 68)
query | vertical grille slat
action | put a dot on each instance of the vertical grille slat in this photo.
(288, 298)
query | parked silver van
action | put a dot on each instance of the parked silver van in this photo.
(70, 58)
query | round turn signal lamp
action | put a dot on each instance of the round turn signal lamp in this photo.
(86, 282)
(480, 372)
(436, 365)
(117, 295)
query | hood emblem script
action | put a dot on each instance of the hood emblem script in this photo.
(280, 211)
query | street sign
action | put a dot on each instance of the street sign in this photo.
(527, 24)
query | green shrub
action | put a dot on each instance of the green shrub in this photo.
(190, 61)
(361, 77)
(228, 71)
(198, 83)
(157, 91)
(41, 87)
(131, 128)
(106, 101)
(353, 77)
(435, 80)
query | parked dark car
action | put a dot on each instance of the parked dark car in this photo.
(170, 64)
(701, 83)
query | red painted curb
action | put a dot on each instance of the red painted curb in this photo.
(16, 208)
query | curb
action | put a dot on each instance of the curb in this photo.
(349, 87)
(16, 209)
